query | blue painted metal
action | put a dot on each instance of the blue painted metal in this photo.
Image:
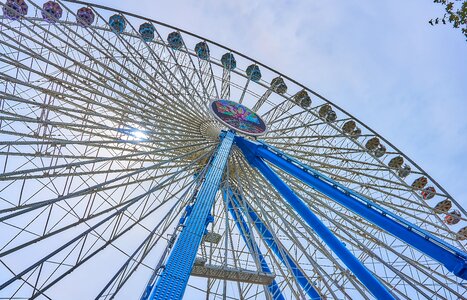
(232, 205)
(452, 258)
(174, 278)
(268, 237)
(358, 269)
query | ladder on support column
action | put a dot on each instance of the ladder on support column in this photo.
(174, 278)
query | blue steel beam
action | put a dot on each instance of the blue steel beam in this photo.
(283, 256)
(358, 269)
(452, 258)
(230, 200)
(173, 280)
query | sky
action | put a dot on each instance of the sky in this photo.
(379, 60)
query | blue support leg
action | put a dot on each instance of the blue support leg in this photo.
(174, 278)
(358, 269)
(283, 256)
(252, 246)
(452, 258)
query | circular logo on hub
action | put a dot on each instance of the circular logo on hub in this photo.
(238, 117)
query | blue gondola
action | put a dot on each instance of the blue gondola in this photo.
(117, 23)
(253, 72)
(202, 50)
(228, 61)
(175, 40)
(147, 32)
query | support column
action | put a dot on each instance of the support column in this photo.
(235, 211)
(455, 260)
(358, 269)
(283, 256)
(174, 278)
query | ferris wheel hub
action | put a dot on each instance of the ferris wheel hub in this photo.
(210, 130)
(238, 117)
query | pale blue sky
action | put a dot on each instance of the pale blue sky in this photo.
(379, 60)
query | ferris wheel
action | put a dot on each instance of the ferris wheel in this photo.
(141, 161)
